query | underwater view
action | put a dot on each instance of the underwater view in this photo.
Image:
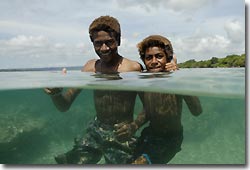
(34, 131)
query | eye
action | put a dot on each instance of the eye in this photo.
(159, 56)
(148, 57)
(109, 42)
(98, 43)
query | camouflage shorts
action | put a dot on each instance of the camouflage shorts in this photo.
(99, 141)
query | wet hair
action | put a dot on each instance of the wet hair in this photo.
(156, 41)
(108, 24)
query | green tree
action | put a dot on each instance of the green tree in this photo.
(228, 61)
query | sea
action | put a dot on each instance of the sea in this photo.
(33, 131)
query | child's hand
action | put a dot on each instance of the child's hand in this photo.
(53, 91)
(125, 131)
(172, 66)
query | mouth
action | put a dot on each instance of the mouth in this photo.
(155, 69)
(104, 54)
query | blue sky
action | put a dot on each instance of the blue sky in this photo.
(41, 33)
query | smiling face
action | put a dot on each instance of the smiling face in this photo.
(105, 46)
(155, 59)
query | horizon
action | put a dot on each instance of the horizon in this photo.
(47, 37)
(80, 66)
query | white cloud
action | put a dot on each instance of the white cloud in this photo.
(30, 41)
(59, 45)
(203, 48)
(173, 5)
(54, 31)
(210, 44)
(39, 51)
(235, 31)
(41, 33)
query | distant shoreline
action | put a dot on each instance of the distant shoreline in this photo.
(230, 61)
(41, 69)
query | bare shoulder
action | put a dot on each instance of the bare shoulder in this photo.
(131, 65)
(89, 66)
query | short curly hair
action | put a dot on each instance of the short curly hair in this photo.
(108, 24)
(155, 41)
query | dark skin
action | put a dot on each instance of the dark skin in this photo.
(155, 61)
(164, 110)
(112, 107)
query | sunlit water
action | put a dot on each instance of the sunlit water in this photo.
(33, 131)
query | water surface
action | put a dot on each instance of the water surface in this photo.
(33, 131)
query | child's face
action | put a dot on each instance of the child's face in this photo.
(105, 45)
(155, 59)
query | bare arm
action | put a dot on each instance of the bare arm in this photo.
(89, 66)
(61, 100)
(138, 67)
(129, 65)
(193, 104)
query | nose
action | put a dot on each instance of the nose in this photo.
(104, 47)
(154, 61)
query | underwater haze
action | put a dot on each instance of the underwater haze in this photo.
(33, 131)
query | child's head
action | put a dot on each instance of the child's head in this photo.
(155, 51)
(108, 24)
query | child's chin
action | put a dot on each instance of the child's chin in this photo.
(155, 70)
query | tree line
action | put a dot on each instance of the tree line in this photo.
(228, 61)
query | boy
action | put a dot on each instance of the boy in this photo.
(162, 139)
(112, 107)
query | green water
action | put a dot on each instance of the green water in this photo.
(33, 131)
